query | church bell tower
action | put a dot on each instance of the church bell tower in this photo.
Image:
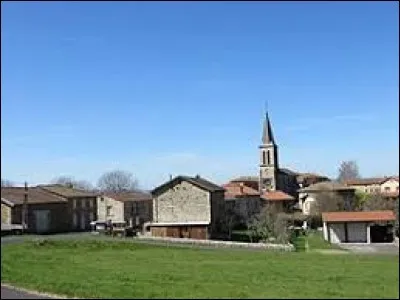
(268, 159)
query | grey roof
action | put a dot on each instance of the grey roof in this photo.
(246, 178)
(287, 171)
(67, 192)
(197, 181)
(326, 186)
(267, 136)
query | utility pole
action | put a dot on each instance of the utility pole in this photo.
(25, 208)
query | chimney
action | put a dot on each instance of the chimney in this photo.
(197, 176)
(170, 176)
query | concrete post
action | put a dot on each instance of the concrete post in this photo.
(368, 233)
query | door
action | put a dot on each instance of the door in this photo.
(83, 221)
(357, 232)
(42, 220)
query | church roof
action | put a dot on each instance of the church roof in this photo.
(267, 136)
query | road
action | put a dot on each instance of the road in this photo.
(9, 293)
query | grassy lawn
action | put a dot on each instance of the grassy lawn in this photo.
(316, 241)
(132, 270)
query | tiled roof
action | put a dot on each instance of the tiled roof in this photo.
(365, 181)
(326, 186)
(368, 181)
(35, 195)
(237, 190)
(65, 191)
(197, 181)
(359, 216)
(129, 196)
(276, 196)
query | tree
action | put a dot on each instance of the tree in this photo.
(377, 201)
(6, 183)
(327, 200)
(268, 225)
(117, 181)
(71, 182)
(348, 170)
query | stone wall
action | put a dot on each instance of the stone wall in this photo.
(115, 213)
(5, 214)
(183, 202)
(221, 244)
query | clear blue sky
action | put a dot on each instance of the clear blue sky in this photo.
(179, 88)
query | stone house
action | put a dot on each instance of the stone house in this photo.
(134, 207)
(46, 212)
(81, 205)
(190, 207)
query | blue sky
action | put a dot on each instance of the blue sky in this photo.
(179, 88)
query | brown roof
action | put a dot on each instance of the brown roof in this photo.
(368, 181)
(237, 190)
(35, 195)
(276, 196)
(326, 186)
(129, 196)
(197, 181)
(65, 191)
(358, 216)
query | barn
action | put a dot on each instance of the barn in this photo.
(188, 207)
(359, 227)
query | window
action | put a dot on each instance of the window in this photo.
(263, 158)
(109, 207)
(269, 157)
(91, 203)
(83, 203)
(387, 189)
(73, 203)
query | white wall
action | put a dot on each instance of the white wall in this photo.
(336, 232)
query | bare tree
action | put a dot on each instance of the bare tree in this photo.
(327, 200)
(71, 182)
(6, 183)
(348, 170)
(117, 181)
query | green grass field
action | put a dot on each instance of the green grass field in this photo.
(131, 270)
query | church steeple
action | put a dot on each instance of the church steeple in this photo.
(267, 137)
(269, 164)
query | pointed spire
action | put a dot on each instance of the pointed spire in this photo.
(267, 137)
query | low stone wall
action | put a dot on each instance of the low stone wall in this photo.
(220, 244)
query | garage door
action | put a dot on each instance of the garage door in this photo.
(357, 232)
(336, 231)
(42, 220)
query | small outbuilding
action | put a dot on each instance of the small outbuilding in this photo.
(359, 227)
